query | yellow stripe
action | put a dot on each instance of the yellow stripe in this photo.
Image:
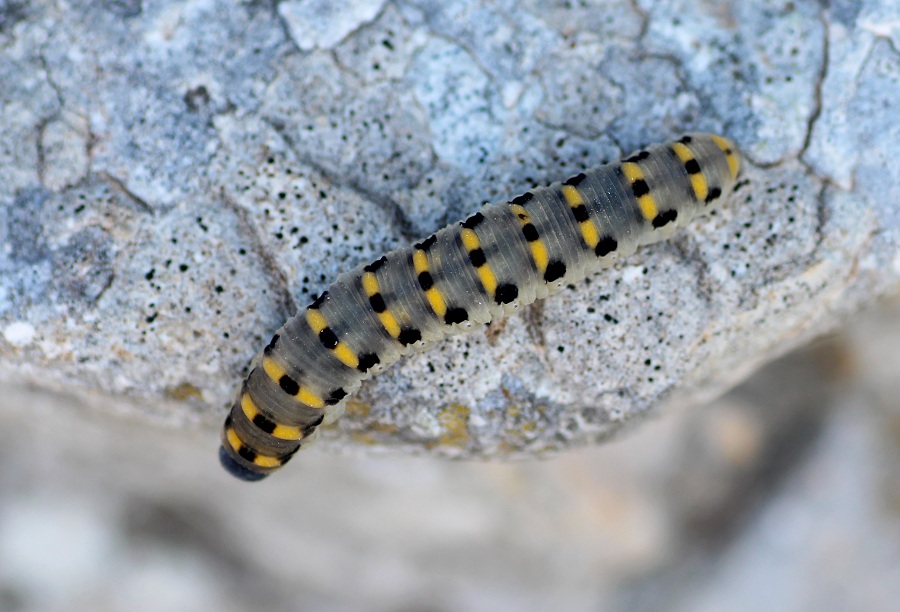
(572, 196)
(632, 172)
(304, 395)
(485, 274)
(540, 255)
(233, 439)
(388, 321)
(683, 153)
(347, 356)
(733, 164)
(538, 249)
(434, 297)
(469, 239)
(698, 181)
(588, 229)
(732, 159)
(283, 432)
(589, 233)
(648, 207)
(370, 284)
(249, 408)
(268, 462)
(520, 213)
(316, 320)
(436, 301)
(272, 369)
(420, 261)
(722, 143)
(700, 186)
(646, 203)
(487, 278)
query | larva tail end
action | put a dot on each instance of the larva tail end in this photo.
(236, 469)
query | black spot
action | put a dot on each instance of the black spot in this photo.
(455, 315)
(236, 469)
(336, 396)
(247, 453)
(477, 258)
(638, 157)
(581, 213)
(473, 221)
(311, 427)
(522, 199)
(713, 194)
(318, 301)
(367, 361)
(263, 423)
(228, 421)
(287, 456)
(409, 336)
(606, 246)
(377, 303)
(271, 345)
(506, 293)
(373, 267)
(575, 180)
(425, 281)
(427, 243)
(555, 271)
(692, 166)
(665, 218)
(530, 232)
(640, 188)
(328, 338)
(289, 385)
(686, 139)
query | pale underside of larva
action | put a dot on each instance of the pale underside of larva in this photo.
(505, 256)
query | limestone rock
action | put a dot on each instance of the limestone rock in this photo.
(178, 178)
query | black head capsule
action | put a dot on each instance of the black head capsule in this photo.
(236, 469)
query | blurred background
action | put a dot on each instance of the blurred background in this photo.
(145, 149)
(782, 495)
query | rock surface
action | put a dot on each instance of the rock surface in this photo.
(178, 178)
(148, 253)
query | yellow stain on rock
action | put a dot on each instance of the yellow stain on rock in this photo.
(357, 409)
(183, 391)
(362, 437)
(506, 448)
(384, 427)
(455, 419)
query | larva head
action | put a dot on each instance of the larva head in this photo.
(236, 469)
(252, 445)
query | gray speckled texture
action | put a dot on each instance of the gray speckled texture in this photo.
(177, 178)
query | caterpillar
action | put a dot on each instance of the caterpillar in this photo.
(505, 256)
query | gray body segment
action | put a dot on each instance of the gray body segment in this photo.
(503, 257)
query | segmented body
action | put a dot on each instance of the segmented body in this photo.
(502, 257)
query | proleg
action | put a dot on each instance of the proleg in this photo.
(502, 257)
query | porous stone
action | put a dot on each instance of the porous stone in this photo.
(178, 178)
